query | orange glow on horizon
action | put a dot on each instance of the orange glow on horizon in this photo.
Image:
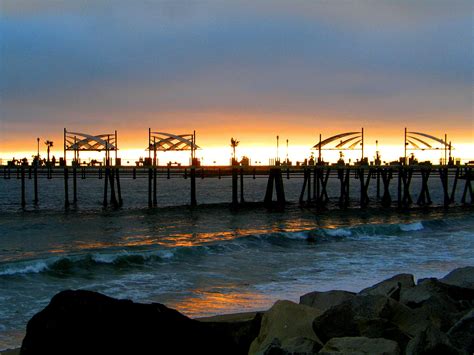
(257, 135)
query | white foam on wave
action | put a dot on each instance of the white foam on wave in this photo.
(338, 232)
(34, 268)
(296, 235)
(166, 254)
(106, 258)
(411, 227)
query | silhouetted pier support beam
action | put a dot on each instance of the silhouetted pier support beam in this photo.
(468, 176)
(119, 190)
(242, 186)
(399, 190)
(35, 186)
(455, 184)
(113, 198)
(364, 186)
(155, 197)
(386, 177)
(321, 180)
(443, 174)
(307, 187)
(23, 197)
(275, 178)
(378, 183)
(303, 189)
(150, 178)
(424, 198)
(407, 174)
(235, 201)
(66, 187)
(193, 187)
(344, 177)
(74, 185)
(106, 185)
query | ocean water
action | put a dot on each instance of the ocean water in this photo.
(210, 259)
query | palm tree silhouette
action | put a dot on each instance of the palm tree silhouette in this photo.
(234, 143)
(49, 144)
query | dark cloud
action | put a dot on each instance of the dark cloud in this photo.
(89, 59)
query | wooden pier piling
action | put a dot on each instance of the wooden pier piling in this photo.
(113, 198)
(468, 176)
(193, 187)
(443, 174)
(387, 175)
(119, 190)
(150, 178)
(242, 201)
(74, 185)
(235, 202)
(424, 198)
(155, 197)
(275, 179)
(23, 193)
(106, 187)
(35, 185)
(66, 187)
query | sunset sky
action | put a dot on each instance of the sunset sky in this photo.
(245, 69)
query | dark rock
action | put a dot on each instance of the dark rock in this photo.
(391, 287)
(462, 333)
(348, 318)
(359, 346)
(289, 323)
(84, 322)
(431, 341)
(294, 346)
(462, 277)
(416, 296)
(382, 328)
(442, 304)
(325, 300)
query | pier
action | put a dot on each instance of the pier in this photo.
(314, 181)
(374, 182)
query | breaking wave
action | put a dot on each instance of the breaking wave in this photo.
(124, 259)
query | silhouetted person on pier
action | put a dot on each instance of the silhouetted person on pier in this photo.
(53, 161)
(311, 160)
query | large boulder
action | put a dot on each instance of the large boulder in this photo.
(83, 322)
(287, 327)
(431, 341)
(441, 303)
(414, 297)
(382, 328)
(360, 346)
(325, 300)
(350, 317)
(461, 334)
(391, 287)
(462, 277)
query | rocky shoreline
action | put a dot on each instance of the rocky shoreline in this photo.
(395, 316)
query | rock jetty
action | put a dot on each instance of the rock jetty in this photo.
(395, 316)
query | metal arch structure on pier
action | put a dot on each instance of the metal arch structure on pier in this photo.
(161, 141)
(347, 141)
(77, 142)
(419, 141)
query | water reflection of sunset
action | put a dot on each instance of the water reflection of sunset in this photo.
(221, 300)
